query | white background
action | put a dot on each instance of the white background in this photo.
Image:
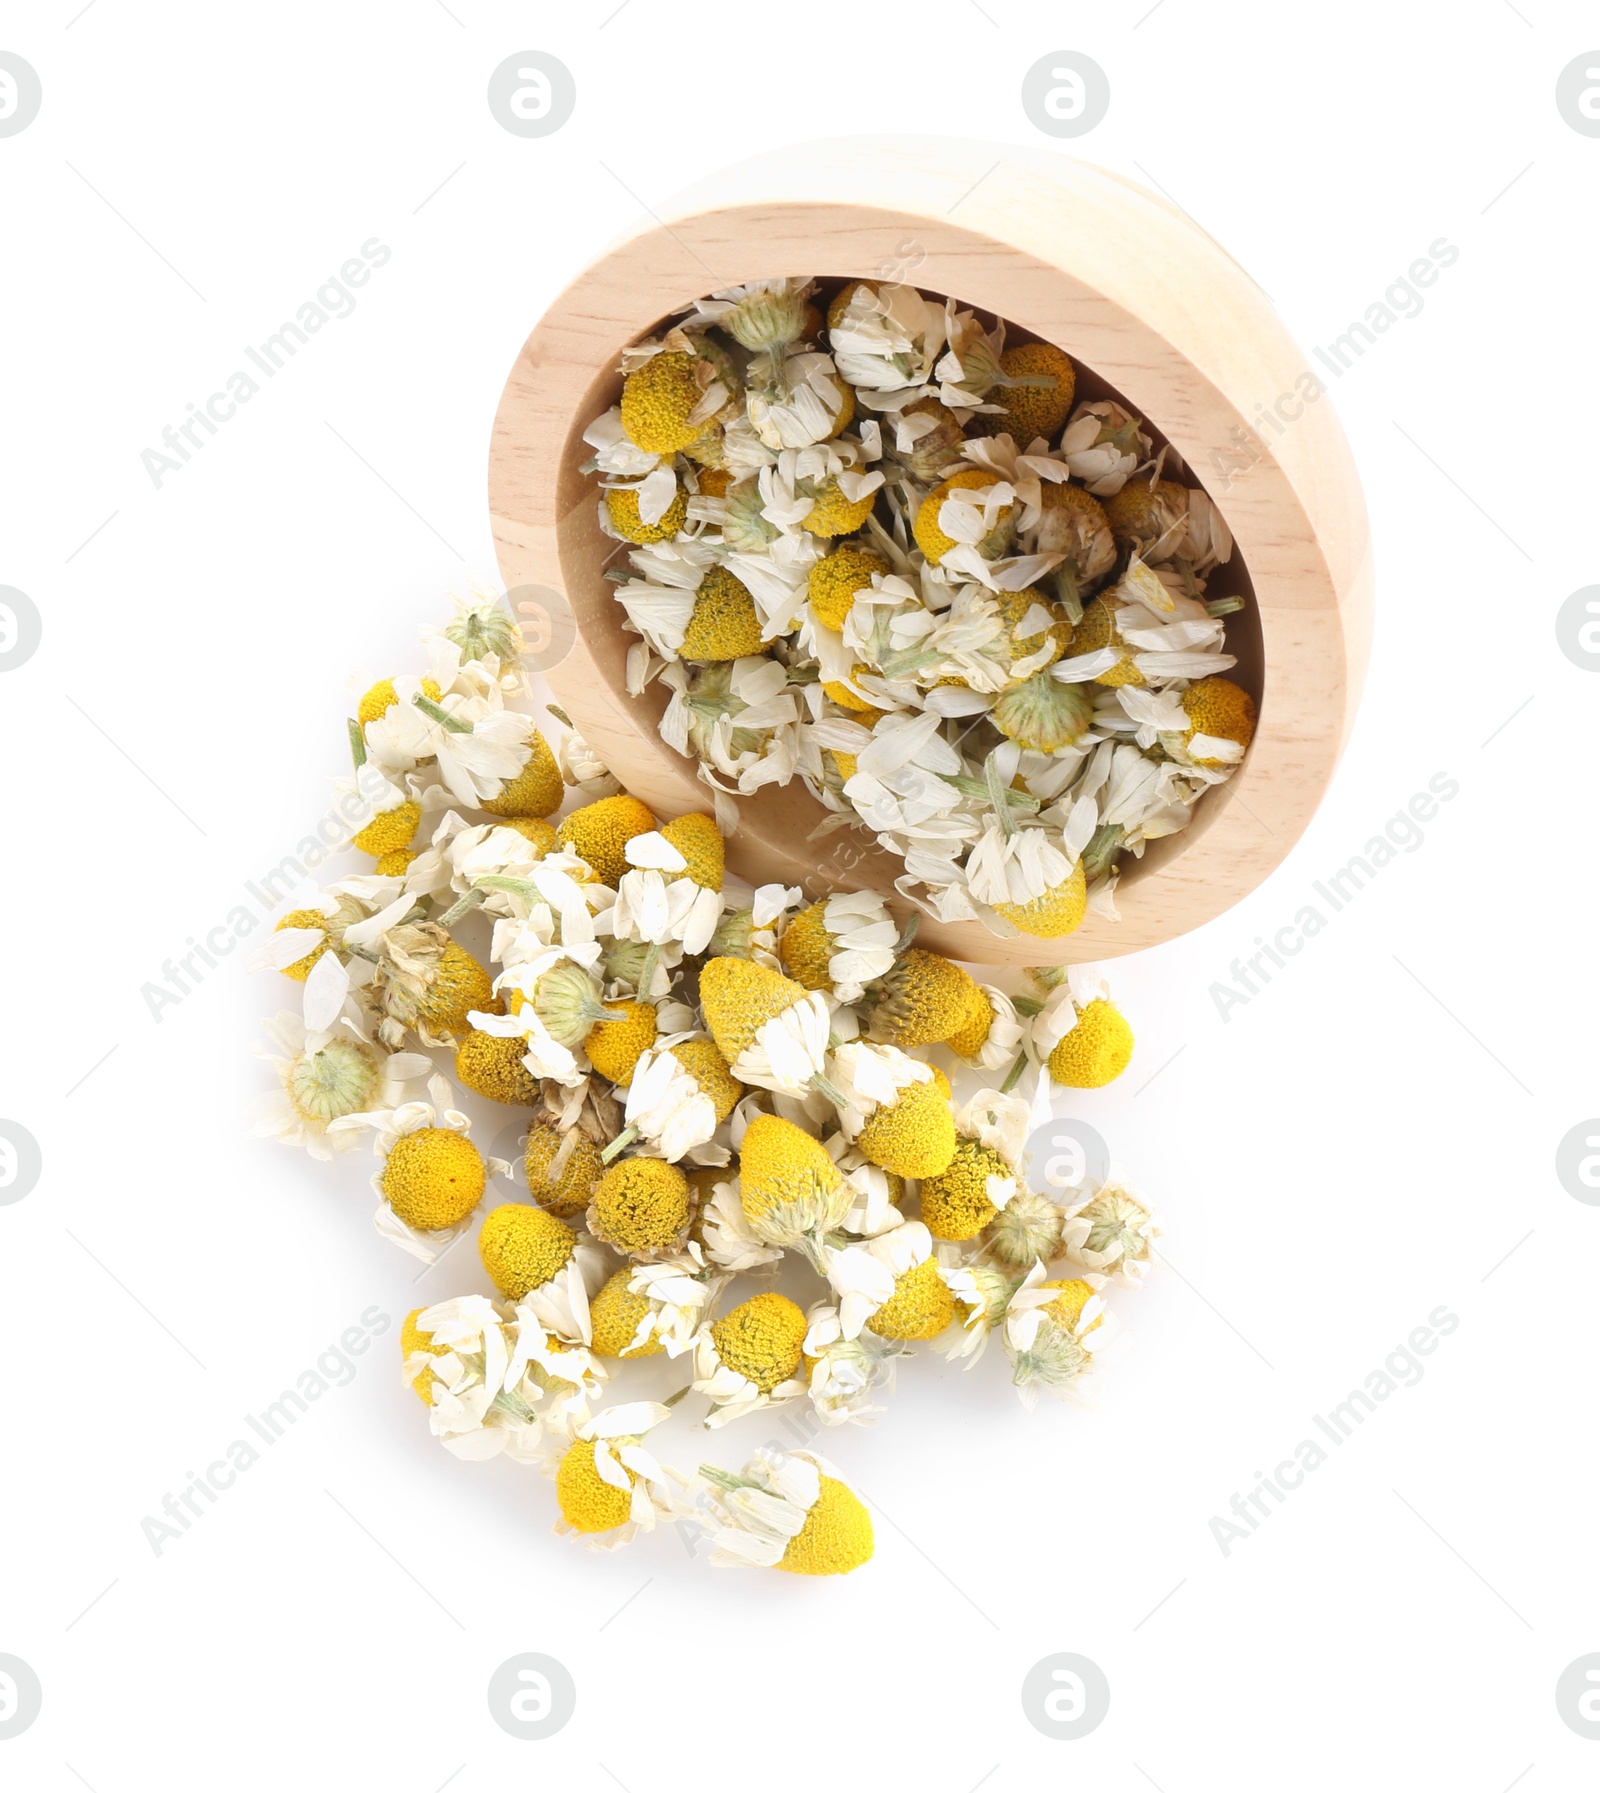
(1364, 1141)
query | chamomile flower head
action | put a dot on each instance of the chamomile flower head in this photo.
(656, 1307)
(766, 314)
(798, 399)
(945, 519)
(491, 1065)
(789, 1510)
(962, 1200)
(536, 791)
(1103, 444)
(841, 1373)
(792, 1192)
(1028, 1229)
(1095, 1051)
(982, 1293)
(896, 1115)
(723, 625)
(699, 840)
(723, 1231)
(841, 944)
(921, 1000)
(624, 512)
(1057, 912)
(750, 1358)
(992, 1033)
(833, 511)
(663, 402)
(428, 984)
(327, 1074)
(1111, 1232)
(1032, 410)
(395, 864)
(432, 1177)
(378, 699)
(772, 1031)
(598, 833)
(615, 1047)
(1222, 722)
(608, 1486)
(523, 1248)
(566, 1000)
(481, 628)
(1072, 522)
(390, 831)
(486, 1379)
(1097, 632)
(1042, 715)
(563, 1166)
(1051, 1332)
(893, 1285)
(925, 439)
(617, 1315)
(641, 1206)
(1150, 517)
(833, 581)
(679, 1095)
(316, 931)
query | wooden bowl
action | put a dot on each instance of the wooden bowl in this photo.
(1153, 312)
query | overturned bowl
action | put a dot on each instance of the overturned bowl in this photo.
(1153, 313)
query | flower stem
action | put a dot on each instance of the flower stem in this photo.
(429, 708)
(623, 1140)
(464, 906)
(358, 742)
(1014, 1075)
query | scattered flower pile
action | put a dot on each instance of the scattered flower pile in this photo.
(879, 549)
(727, 1094)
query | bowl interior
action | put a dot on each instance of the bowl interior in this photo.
(586, 552)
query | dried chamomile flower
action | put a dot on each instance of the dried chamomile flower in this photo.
(482, 628)
(724, 1233)
(1079, 1034)
(1028, 1229)
(665, 896)
(1150, 517)
(670, 399)
(921, 1000)
(1112, 1232)
(1221, 723)
(1040, 406)
(895, 1114)
(641, 1207)
(788, 1510)
(537, 790)
(427, 984)
(772, 1031)
(1056, 912)
(525, 1250)
(301, 937)
(750, 1358)
(555, 1006)
(599, 832)
(1102, 445)
(982, 1293)
(563, 1166)
(491, 1065)
(992, 1033)
(841, 944)
(968, 509)
(792, 1192)
(842, 1374)
(608, 1486)
(834, 580)
(1051, 1332)
(992, 1131)
(650, 1308)
(325, 1075)
(892, 1285)
(615, 1047)
(433, 1176)
(485, 1379)
(678, 1096)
